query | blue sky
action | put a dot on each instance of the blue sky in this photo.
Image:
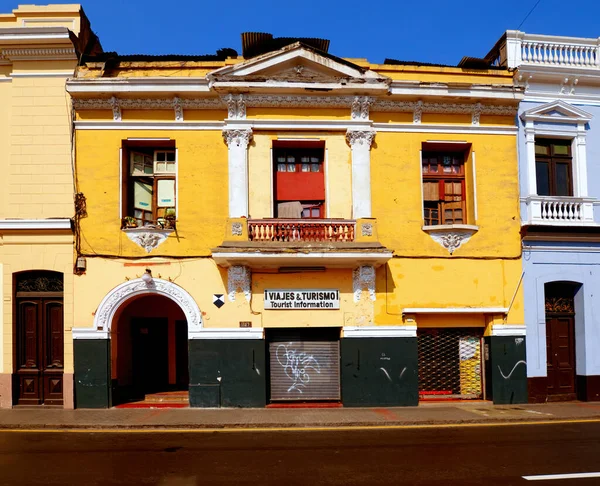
(430, 31)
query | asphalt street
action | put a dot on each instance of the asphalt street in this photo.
(465, 455)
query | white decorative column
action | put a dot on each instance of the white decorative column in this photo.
(530, 150)
(237, 140)
(360, 142)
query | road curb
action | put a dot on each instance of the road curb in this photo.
(295, 426)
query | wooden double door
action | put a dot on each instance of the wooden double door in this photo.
(560, 352)
(39, 357)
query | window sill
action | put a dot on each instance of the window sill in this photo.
(451, 236)
(146, 237)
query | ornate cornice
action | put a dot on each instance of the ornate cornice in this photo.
(359, 106)
(49, 54)
(240, 137)
(360, 137)
(459, 108)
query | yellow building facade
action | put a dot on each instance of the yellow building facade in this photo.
(39, 47)
(289, 226)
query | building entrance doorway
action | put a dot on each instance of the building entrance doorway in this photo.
(560, 340)
(38, 329)
(150, 354)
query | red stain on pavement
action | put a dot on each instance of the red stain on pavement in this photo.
(385, 413)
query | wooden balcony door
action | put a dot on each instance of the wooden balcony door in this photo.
(40, 351)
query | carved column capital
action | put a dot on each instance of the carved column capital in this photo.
(360, 137)
(237, 137)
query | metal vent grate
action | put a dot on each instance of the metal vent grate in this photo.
(450, 363)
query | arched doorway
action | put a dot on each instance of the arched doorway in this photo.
(38, 338)
(149, 353)
(560, 340)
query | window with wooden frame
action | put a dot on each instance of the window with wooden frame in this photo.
(149, 186)
(553, 167)
(444, 191)
(299, 180)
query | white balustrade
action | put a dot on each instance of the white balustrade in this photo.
(554, 210)
(519, 48)
(552, 54)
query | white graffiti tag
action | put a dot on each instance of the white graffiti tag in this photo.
(296, 366)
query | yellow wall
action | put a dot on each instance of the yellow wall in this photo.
(202, 204)
(39, 181)
(397, 200)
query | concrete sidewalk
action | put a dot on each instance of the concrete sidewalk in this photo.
(195, 418)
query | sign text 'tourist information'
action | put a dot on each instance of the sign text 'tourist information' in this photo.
(309, 299)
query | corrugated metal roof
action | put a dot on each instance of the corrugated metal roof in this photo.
(257, 43)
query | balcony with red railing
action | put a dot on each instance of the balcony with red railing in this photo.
(301, 230)
(281, 243)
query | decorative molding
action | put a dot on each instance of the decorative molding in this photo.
(476, 116)
(363, 277)
(236, 229)
(148, 103)
(178, 107)
(289, 101)
(418, 112)
(419, 107)
(111, 303)
(230, 333)
(238, 277)
(48, 54)
(509, 330)
(360, 137)
(236, 107)
(237, 136)
(360, 108)
(560, 304)
(380, 331)
(116, 109)
(366, 229)
(451, 237)
(148, 238)
(40, 283)
(35, 224)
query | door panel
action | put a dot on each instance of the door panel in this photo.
(39, 360)
(560, 347)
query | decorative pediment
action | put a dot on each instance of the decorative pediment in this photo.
(557, 112)
(298, 66)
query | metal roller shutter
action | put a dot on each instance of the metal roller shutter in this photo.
(304, 370)
(450, 363)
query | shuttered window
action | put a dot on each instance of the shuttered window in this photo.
(304, 370)
(444, 188)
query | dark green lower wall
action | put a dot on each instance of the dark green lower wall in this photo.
(92, 373)
(379, 372)
(227, 373)
(507, 369)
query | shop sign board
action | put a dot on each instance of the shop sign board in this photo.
(302, 299)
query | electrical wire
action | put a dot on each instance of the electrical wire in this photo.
(527, 16)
